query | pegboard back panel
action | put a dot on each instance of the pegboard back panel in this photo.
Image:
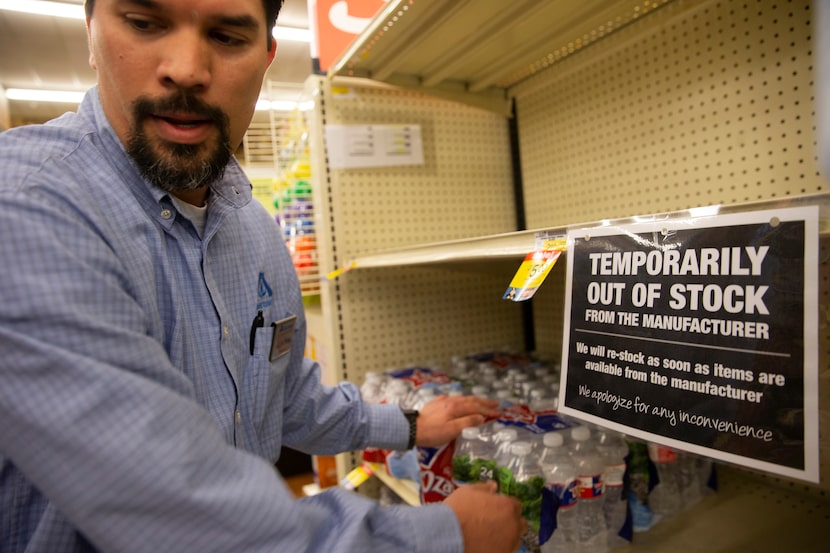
(548, 314)
(463, 189)
(701, 102)
(398, 317)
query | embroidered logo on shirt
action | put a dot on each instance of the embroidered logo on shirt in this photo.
(264, 292)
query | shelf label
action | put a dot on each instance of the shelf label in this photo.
(337, 272)
(358, 476)
(700, 334)
(535, 268)
(360, 146)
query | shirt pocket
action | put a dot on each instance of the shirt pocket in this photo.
(266, 379)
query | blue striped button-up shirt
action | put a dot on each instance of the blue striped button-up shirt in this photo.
(134, 417)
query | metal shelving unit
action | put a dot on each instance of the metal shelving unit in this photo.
(623, 109)
(474, 51)
(515, 245)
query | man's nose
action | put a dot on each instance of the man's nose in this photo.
(186, 61)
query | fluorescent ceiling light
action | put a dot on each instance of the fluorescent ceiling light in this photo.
(76, 11)
(283, 105)
(44, 7)
(59, 96)
(295, 34)
(75, 97)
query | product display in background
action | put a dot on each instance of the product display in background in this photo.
(293, 202)
(572, 478)
(324, 468)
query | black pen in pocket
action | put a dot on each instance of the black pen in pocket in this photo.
(259, 322)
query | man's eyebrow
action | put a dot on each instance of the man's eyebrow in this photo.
(242, 21)
(151, 4)
(245, 21)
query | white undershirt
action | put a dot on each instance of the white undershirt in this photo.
(195, 214)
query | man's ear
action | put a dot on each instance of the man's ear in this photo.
(92, 63)
(272, 51)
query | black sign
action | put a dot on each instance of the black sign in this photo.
(699, 333)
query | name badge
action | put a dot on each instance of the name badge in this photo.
(283, 333)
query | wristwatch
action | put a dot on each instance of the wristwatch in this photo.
(412, 418)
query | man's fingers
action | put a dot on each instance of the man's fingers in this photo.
(490, 487)
(469, 405)
(517, 509)
(443, 418)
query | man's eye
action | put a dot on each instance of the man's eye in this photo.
(141, 24)
(227, 40)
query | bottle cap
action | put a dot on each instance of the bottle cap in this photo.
(580, 433)
(553, 439)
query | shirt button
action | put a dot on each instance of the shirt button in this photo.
(225, 331)
(238, 417)
(166, 213)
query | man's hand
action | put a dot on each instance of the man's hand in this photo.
(490, 523)
(442, 419)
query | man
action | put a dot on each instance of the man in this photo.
(152, 330)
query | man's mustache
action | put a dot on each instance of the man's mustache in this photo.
(181, 103)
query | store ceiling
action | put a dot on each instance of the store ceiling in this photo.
(44, 52)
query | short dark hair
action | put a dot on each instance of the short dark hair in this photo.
(272, 10)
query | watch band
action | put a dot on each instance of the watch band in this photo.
(412, 418)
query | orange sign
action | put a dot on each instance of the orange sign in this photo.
(336, 23)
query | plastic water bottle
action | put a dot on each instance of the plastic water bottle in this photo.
(521, 385)
(705, 475)
(502, 440)
(639, 481)
(560, 480)
(395, 391)
(664, 498)
(522, 478)
(691, 490)
(614, 449)
(372, 388)
(472, 460)
(538, 400)
(499, 385)
(505, 398)
(416, 398)
(592, 533)
(486, 374)
(487, 433)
